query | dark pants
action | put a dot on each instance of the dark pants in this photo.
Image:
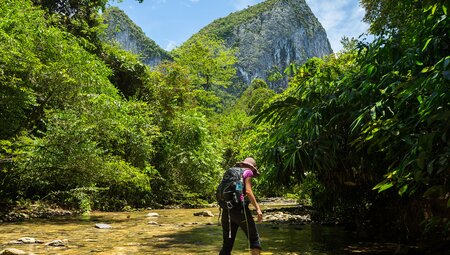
(231, 224)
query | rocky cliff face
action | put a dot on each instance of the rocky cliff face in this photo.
(270, 36)
(131, 37)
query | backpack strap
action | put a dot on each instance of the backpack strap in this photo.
(229, 224)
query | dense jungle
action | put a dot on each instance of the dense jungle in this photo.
(362, 135)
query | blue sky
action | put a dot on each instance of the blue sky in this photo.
(171, 22)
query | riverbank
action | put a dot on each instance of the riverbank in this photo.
(33, 210)
(38, 209)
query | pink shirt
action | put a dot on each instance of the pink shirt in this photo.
(247, 173)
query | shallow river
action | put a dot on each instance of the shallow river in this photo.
(177, 232)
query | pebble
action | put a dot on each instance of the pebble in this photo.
(57, 243)
(152, 214)
(204, 214)
(102, 226)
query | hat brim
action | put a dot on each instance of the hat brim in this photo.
(249, 165)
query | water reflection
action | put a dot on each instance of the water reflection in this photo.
(178, 232)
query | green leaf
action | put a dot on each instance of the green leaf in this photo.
(403, 189)
(434, 9)
(426, 44)
(370, 70)
(420, 99)
(373, 112)
(444, 8)
(385, 187)
(427, 69)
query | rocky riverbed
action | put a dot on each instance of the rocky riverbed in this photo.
(286, 229)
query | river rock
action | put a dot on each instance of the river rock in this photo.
(152, 223)
(26, 240)
(280, 217)
(204, 214)
(152, 215)
(12, 251)
(102, 226)
(57, 243)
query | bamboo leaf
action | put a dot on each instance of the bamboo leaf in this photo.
(426, 44)
(433, 10)
(385, 187)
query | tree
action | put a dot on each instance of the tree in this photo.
(70, 129)
(79, 17)
(208, 60)
(376, 118)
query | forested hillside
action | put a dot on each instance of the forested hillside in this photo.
(362, 136)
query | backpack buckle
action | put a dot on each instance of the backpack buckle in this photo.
(229, 205)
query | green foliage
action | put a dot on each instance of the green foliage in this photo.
(255, 97)
(312, 123)
(210, 65)
(373, 118)
(192, 158)
(239, 138)
(80, 18)
(208, 60)
(129, 74)
(407, 117)
(71, 128)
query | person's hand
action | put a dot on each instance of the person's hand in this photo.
(260, 216)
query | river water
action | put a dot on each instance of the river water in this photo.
(177, 231)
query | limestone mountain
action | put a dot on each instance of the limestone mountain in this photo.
(125, 32)
(270, 36)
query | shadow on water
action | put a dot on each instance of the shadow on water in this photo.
(276, 239)
(175, 231)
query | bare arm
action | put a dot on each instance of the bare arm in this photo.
(251, 196)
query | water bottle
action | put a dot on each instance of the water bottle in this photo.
(239, 187)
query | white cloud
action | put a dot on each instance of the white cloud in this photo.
(171, 45)
(339, 18)
(241, 4)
